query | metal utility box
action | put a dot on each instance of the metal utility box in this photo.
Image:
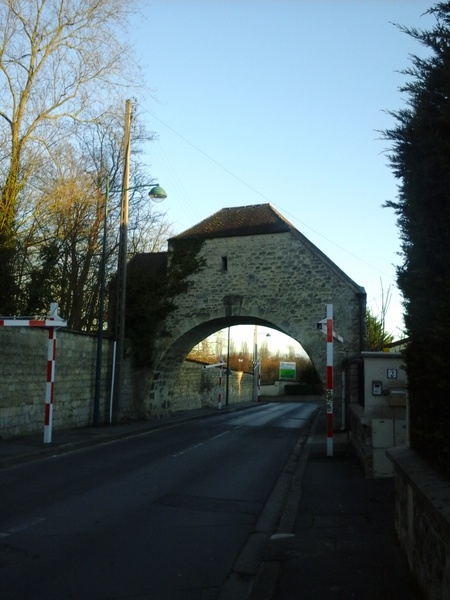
(382, 433)
(400, 432)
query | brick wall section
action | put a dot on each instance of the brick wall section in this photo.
(422, 521)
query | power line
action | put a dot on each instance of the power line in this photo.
(264, 197)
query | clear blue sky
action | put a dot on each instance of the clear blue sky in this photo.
(280, 101)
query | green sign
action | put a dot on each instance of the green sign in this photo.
(287, 370)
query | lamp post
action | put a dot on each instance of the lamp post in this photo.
(156, 194)
(228, 368)
(256, 364)
(98, 369)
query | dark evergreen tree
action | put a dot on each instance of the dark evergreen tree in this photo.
(420, 159)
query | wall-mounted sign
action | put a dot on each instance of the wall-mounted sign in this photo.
(392, 373)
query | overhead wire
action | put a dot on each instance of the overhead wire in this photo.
(264, 197)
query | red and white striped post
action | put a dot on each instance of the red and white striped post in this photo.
(259, 382)
(219, 399)
(329, 380)
(52, 323)
(51, 356)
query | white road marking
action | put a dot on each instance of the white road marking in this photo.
(187, 450)
(215, 437)
(21, 527)
(218, 436)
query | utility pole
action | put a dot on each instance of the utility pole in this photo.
(122, 266)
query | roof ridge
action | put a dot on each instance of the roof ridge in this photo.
(253, 219)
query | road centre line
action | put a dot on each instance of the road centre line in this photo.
(219, 435)
(189, 448)
(21, 527)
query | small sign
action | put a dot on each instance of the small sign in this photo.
(392, 373)
(287, 370)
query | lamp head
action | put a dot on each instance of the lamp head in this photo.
(157, 194)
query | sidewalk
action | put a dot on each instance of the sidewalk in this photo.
(336, 539)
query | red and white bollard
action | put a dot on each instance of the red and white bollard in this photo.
(219, 404)
(52, 323)
(51, 355)
(329, 380)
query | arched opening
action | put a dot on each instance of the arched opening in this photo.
(253, 352)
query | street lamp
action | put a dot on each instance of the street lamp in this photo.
(157, 194)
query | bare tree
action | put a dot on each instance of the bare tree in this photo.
(60, 239)
(59, 60)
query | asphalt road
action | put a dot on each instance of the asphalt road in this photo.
(159, 516)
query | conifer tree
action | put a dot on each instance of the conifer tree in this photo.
(420, 159)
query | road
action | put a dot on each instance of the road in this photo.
(160, 516)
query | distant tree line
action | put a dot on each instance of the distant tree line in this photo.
(212, 348)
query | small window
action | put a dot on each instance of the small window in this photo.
(224, 263)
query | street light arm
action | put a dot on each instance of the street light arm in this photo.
(156, 189)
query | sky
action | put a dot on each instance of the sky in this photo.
(283, 102)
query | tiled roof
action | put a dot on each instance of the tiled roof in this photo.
(256, 219)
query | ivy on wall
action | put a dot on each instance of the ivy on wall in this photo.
(152, 289)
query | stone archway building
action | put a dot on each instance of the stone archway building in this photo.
(259, 269)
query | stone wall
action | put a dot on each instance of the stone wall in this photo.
(361, 436)
(197, 387)
(422, 521)
(23, 377)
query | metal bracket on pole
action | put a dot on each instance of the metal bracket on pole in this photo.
(322, 326)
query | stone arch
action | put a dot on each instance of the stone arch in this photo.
(259, 269)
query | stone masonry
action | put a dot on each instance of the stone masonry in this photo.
(422, 521)
(259, 270)
(23, 376)
(23, 369)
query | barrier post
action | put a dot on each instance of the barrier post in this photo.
(53, 321)
(329, 380)
(219, 399)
